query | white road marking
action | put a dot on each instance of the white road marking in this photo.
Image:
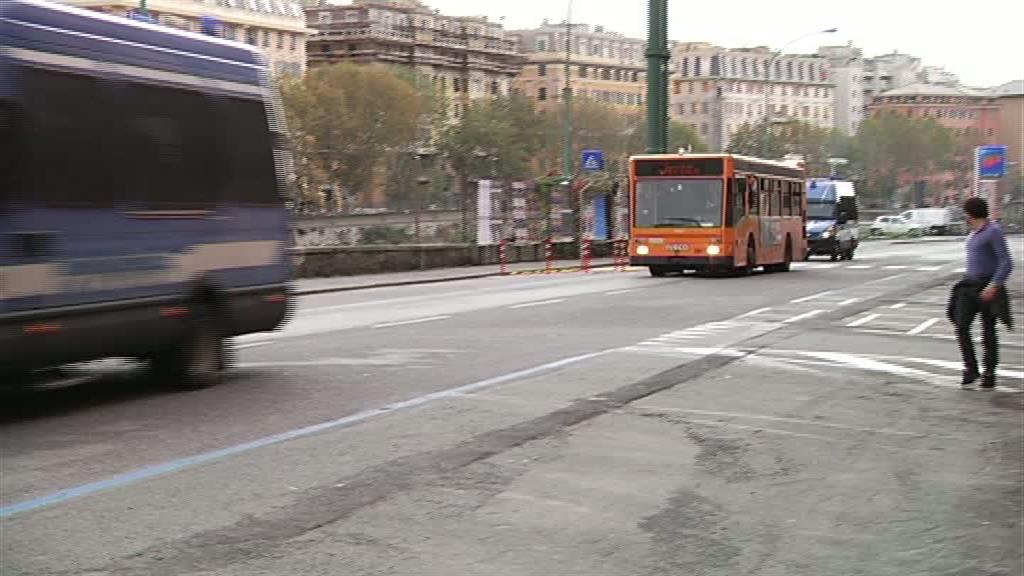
(539, 303)
(803, 316)
(617, 292)
(922, 327)
(863, 321)
(407, 322)
(811, 297)
(928, 268)
(848, 302)
(251, 345)
(896, 267)
(754, 312)
(960, 270)
(859, 267)
(898, 305)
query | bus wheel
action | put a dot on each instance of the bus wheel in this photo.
(786, 264)
(200, 358)
(748, 269)
(658, 271)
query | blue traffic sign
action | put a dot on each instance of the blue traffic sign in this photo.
(592, 160)
(991, 161)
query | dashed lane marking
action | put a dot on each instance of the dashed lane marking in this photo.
(414, 321)
(922, 326)
(804, 316)
(538, 303)
(863, 321)
(811, 297)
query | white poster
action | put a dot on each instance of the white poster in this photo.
(484, 236)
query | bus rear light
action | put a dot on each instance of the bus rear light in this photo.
(173, 311)
(43, 328)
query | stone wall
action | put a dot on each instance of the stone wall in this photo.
(352, 260)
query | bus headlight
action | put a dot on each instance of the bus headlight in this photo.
(714, 250)
(643, 250)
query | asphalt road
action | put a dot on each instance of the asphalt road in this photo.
(602, 423)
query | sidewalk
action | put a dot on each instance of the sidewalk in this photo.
(306, 286)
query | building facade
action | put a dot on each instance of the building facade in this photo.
(465, 57)
(1010, 131)
(846, 65)
(275, 26)
(972, 115)
(717, 90)
(604, 66)
(889, 72)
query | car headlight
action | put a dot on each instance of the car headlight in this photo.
(643, 250)
(828, 233)
(714, 250)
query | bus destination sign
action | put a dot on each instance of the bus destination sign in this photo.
(680, 167)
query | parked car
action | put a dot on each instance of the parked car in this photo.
(937, 221)
(894, 226)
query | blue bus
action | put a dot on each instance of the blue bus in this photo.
(143, 177)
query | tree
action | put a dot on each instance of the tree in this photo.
(813, 143)
(892, 150)
(344, 118)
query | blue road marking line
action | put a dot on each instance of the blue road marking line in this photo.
(148, 472)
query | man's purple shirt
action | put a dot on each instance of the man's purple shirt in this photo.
(988, 256)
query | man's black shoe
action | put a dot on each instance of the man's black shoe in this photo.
(988, 381)
(969, 378)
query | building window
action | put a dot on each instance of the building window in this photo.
(294, 40)
(542, 69)
(696, 66)
(743, 67)
(542, 94)
(684, 67)
(495, 88)
(704, 129)
(250, 37)
(703, 107)
(677, 87)
(789, 70)
(542, 45)
(583, 71)
(323, 18)
(693, 107)
(716, 65)
(636, 76)
(280, 40)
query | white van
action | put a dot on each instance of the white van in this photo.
(935, 221)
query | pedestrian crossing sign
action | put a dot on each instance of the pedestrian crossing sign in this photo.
(592, 160)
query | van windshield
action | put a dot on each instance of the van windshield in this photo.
(821, 211)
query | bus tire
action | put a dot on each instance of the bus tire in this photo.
(658, 271)
(751, 263)
(787, 264)
(200, 358)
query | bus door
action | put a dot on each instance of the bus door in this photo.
(771, 220)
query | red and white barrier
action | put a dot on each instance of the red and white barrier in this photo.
(585, 253)
(549, 256)
(503, 257)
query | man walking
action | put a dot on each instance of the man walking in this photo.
(982, 291)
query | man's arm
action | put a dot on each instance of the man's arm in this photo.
(1004, 264)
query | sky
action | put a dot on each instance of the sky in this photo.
(982, 43)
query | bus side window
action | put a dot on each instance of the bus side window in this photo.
(787, 198)
(754, 197)
(738, 202)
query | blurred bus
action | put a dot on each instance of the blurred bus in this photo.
(715, 212)
(141, 193)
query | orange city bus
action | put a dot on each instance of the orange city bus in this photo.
(715, 212)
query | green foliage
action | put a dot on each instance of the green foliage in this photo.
(815, 144)
(495, 137)
(343, 118)
(892, 148)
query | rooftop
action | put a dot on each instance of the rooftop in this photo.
(922, 89)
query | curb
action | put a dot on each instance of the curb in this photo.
(395, 283)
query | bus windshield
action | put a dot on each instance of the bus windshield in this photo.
(679, 203)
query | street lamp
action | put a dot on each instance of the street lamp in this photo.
(768, 84)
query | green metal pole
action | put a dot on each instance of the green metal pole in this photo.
(567, 171)
(657, 76)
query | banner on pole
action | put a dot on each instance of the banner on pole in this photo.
(991, 161)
